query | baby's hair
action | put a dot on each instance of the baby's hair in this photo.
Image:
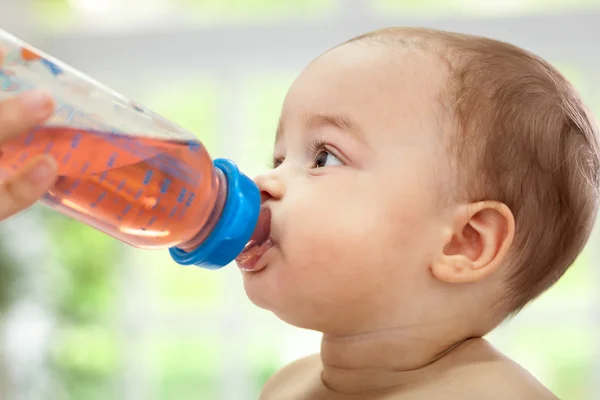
(524, 137)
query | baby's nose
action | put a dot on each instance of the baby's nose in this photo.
(271, 186)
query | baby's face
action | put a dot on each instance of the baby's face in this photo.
(357, 192)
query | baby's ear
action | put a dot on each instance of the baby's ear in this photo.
(477, 245)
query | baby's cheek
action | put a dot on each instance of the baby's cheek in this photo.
(338, 243)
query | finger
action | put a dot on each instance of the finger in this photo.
(22, 113)
(27, 185)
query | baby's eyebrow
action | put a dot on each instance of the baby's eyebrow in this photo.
(342, 122)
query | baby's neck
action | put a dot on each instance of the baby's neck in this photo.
(387, 359)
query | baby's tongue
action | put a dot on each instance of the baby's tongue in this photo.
(261, 234)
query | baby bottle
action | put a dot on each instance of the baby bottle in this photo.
(128, 172)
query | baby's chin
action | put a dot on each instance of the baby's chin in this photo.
(263, 292)
(258, 298)
(292, 307)
(285, 312)
(257, 286)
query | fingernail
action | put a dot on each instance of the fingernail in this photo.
(37, 101)
(42, 171)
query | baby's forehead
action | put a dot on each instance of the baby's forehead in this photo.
(379, 87)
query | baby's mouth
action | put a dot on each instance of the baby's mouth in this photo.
(259, 243)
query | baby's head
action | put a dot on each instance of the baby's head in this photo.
(424, 176)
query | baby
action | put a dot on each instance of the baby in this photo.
(427, 186)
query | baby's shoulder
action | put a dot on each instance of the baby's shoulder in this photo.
(499, 378)
(306, 366)
(296, 380)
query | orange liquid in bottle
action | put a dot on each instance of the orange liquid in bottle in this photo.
(147, 192)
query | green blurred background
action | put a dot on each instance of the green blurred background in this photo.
(85, 317)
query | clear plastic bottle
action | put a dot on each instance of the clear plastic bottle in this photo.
(127, 171)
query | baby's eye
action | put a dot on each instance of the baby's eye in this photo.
(276, 163)
(326, 159)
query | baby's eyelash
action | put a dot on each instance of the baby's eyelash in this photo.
(274, 163)
(315, 146)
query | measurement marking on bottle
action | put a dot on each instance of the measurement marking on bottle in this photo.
(29, 138)
(111, 160)
(99, 199)
(165, 185)
(76, 140)
(181, 195)
(190, 199)
(76, 183)
(103, 176)
(148, 177)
